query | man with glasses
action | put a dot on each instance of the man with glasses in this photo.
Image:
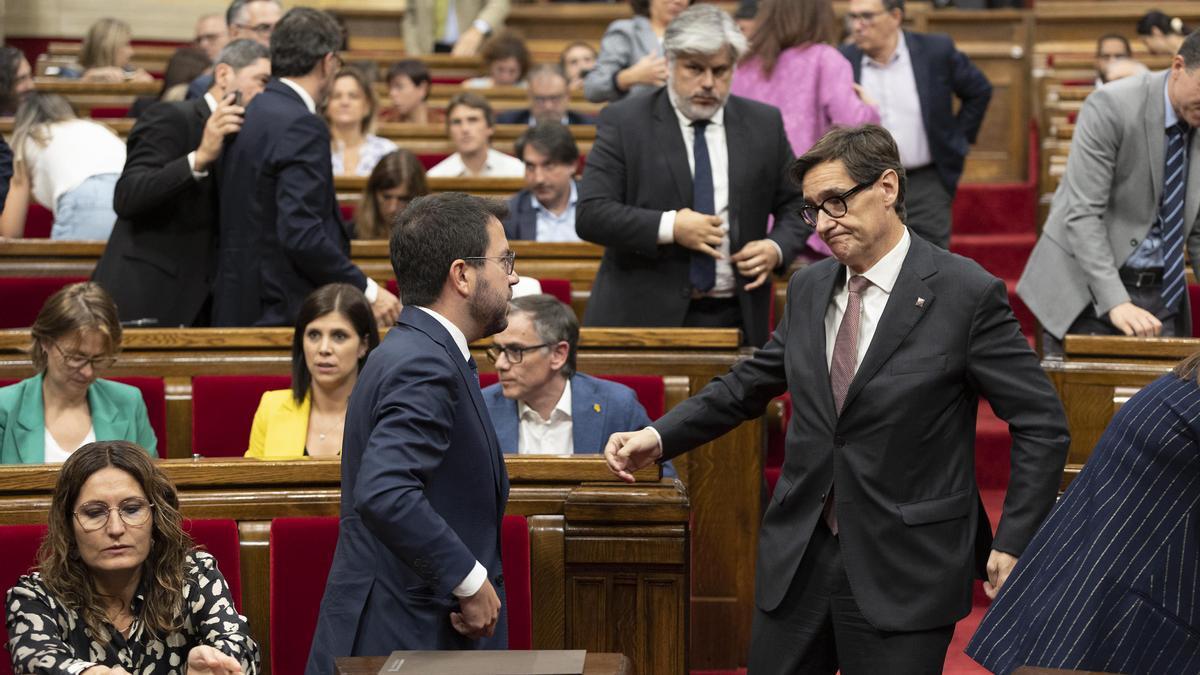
(245, 19)
(679, 187)
(549, 95)
(542, 405)
(424, 486)
(281, 232)
(211, 35)
(915, 78)
(875, 532)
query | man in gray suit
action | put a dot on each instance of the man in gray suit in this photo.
(1110, 258)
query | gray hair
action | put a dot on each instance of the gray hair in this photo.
(545, 70)
(242, 52)
(554, 322)
(237, 10)
(703, 29)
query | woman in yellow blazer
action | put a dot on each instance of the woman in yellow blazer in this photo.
(47, 417)
(335, 330)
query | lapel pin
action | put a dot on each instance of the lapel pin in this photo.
(596, 407)
(920, 302)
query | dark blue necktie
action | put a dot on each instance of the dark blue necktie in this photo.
(1171, 215)
(471, 364)
(703, 272)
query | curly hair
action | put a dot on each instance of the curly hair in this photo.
(69, 579)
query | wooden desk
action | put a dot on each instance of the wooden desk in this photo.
(593, 664)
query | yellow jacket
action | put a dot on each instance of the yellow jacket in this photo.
(280, 428)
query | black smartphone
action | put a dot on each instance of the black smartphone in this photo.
(237, 98)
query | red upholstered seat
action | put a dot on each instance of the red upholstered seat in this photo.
(348, 212)
(1194, 299)
(223, 411)
(24, 297)
(430, 160)
(19, 544)
(220, 538)
(559, 288)
(39, 220)
(302, 553)
(154, 393)
(488, 379)
(109, 113)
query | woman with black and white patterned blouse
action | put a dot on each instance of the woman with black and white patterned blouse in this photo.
(120, 588)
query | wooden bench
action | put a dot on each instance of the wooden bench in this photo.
(603, 555)
(724, 477)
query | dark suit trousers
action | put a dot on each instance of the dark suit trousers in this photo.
(1148, 298)
(928, 204)
(818, 628)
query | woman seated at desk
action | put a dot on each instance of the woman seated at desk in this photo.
(45, 418)
(335, 331)
(120, 588)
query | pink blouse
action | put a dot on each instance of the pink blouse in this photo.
(812, 86)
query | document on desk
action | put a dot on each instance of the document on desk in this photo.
(536, 662)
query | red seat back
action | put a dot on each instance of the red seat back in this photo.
(347, 211)
(24, 297)
(19, 544)
(154, 393)
(1194, 299)
(430, 160)
(302, 553)
(223, 411)
(219, 537)
(39, 220)
(559, 288)
(109, 113)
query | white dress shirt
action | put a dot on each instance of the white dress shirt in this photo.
(497, 165)
(895, 87)
(882, 277)
(552, 436)
(474, 581)
(191, 156)
(560, 227)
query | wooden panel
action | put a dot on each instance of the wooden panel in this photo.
(1057, 20)
(1000, 152)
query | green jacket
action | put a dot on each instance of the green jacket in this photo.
(118, 413)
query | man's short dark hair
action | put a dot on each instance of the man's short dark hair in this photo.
(301, 39)
(866, 151)
(471, 100)
(1190, 51)
(552, 140)
(235, 9)
(889, 5)
(554, 322)
(431, 234)
(1114, 36)
(242, 52)
(413, 69)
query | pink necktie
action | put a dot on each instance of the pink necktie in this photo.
(843, 365)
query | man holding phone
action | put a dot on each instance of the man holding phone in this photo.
(159, 262)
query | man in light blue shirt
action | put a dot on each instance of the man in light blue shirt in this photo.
(545, 209)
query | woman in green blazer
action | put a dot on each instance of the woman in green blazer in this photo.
(46, 417)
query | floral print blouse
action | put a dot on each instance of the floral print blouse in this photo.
(46, 637)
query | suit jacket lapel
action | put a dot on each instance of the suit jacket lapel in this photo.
(587, 415)
(105, 416)
(507, 423)
(644, 34)
(814, 324)
(899, 316)
(737, 141)
(920, 69)
(31, 440)
(666, 129)
(1156, 116)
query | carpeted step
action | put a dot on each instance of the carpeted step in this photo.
(992, 445)
(1004, 255)
(995, 208)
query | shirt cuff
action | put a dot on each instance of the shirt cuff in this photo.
(371, 291)
(471, 585)
(666, 228)
(481, 26)
(191, 157)
(778, 252)
(658, 436)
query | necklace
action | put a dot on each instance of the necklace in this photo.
(328, 430)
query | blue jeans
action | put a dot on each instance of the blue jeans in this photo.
(86, 211)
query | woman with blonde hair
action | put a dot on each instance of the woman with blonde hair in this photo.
(351, 111)
(398, 179)
(120, 587)
(45, 418)
(106, 54)
(69, 165)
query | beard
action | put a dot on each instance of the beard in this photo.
(489, 309)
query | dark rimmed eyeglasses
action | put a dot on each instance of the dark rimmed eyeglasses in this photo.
(834, 207)
(78, 361)
(94, 515)
(514, 354)
(507, 261)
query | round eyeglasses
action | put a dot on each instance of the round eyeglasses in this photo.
(94, 515)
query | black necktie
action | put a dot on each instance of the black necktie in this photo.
(703, 272)
(471, 364)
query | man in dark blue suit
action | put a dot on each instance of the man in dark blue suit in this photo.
(545, 209)
(423, 481)
(281, 233)
(914, 78)
(549, 95)
(542, 405)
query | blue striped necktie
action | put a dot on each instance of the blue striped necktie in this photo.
(1171, 215)
(703, 271)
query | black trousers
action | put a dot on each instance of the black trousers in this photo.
(715, 313)
(818, 628)
(1148, 298)
(928, 204)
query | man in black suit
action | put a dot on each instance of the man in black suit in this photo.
(545, 209)
(281, 231)
(159, 262)
(875, 531)
(914, 77)
(549, 95)
(679, 186)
